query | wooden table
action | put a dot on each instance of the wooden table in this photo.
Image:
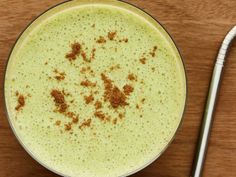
(198, 28)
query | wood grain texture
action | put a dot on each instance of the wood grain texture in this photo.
(198, 28)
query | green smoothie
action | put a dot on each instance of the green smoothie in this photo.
(95, 89)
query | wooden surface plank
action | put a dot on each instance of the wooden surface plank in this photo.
(198, 28)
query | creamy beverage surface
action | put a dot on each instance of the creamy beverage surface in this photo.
(95, 90)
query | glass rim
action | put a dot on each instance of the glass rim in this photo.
(101, 1)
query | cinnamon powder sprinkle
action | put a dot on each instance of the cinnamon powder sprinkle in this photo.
(108, 118)
(143, 60)
(121, 115)
(100, 115)
(113, 94)
(111, 35)
(21, 102)
(88, 99)
(117, 98)
(86, 123)
(115, 67)
(124, 40)
(84, 56)
(143, 100)
(71, 115)
(88, 83)
(93, 53)
(96, 92)
(115, 121)
(75, 51)
(142, 82)
(60, 75)
(75, 120)
(58, 123)
(83, 70)
(108, 86)
(59, 100)
(98, 105)
(132, 77)
(86, 69)
(101, 40)
(68, 127)
(153, 52)
(128, 89)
